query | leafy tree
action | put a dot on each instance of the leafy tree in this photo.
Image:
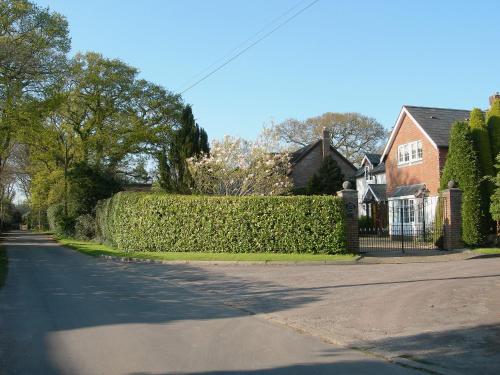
(89, 185)
(462, 166)
(189, 140)
(495, 198)
(482, 145)
(328, 179)
(493, 121)
(33, 47)
(479, 131)
(352, 134)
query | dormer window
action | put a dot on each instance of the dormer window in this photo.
(410, 152)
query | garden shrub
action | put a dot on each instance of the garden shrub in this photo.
(59, 223)
(85, 227)
(164, 222)
(462, 166)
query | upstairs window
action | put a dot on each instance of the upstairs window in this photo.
(410, 152)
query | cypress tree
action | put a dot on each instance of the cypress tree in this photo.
(482, 145)
(462, 165)
(493, 121)
(328, 179)
(189, 140)
(479, 131)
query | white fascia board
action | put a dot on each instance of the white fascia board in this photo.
(396, 128)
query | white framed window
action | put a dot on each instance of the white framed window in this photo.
(410, 152)
(368, 175)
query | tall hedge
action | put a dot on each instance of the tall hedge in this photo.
(164, 222)
(462, 166)
(482, 144)
(493, 121)
(480, 134)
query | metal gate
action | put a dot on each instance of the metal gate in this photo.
(403, 225)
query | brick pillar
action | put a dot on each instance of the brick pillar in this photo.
(350, 198)
(452, 217)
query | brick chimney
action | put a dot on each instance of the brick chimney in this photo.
(325, 143)
(494, 97)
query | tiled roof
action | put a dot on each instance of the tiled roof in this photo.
(379, 169)
(405, 190)
(301, 152)
(374, 158)
(437, 122)
(378, 191)
(376, 170)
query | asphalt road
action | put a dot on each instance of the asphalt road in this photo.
(62, 312)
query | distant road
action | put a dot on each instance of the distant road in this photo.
(62, 312)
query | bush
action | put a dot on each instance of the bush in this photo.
(85, 226)
(493, 121)
(462, 165)
(163, 222)
(59, 223)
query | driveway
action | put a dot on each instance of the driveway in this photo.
(62, 312)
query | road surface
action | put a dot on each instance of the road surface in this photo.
(62, 312)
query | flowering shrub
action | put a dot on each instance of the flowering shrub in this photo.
(239, 167)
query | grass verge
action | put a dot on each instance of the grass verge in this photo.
(95, 249)
(3, 265)
(487, 250)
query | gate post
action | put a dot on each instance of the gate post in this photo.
(452, 216)
(350, 198)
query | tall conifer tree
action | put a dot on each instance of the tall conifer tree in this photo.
(493, 121)
(462, 166)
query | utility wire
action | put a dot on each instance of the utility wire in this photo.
(250, 46)
(242, 44)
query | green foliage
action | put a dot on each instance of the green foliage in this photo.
(462, 166)
(85, 227)
(328, 179)
(479, 132)
(189, 140)
(495, 198)
(493, 121)
(163, 222)
(88, 185)
(60, 223)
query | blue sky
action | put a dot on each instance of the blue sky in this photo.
(363, 56)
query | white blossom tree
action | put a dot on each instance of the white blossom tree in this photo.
(239, 167)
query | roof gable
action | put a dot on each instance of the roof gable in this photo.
(434, 123)
(297, 155)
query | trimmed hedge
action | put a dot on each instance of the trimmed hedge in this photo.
(164, 222)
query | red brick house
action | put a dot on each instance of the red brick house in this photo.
(414, 158)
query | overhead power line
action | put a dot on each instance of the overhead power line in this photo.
(234, 57)
(242, 44)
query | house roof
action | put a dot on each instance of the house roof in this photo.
(435, 123)
(374, 159)
(297, 155)
(406, 190)
(375, 191)
(376, 170)
(303, 151)
(379, 168)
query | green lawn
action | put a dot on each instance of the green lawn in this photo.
(95, 249)
(3, 265)
(487, 250)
